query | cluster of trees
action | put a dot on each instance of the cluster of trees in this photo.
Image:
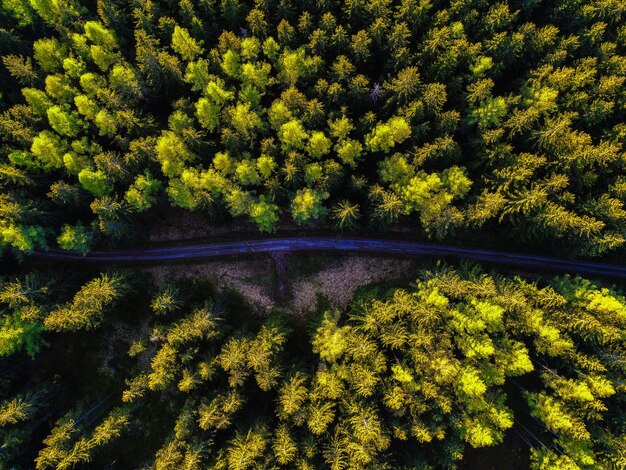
(36, 310)
(29, 306)
(403, 379)
(504, 116)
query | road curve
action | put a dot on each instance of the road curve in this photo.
(363, 245)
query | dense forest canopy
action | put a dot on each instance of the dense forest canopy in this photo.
(458, 120)
(449, 117)
(402, 379)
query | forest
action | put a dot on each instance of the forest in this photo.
(473, 122)
(473, 117)
(403, 379)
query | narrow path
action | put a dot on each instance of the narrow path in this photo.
(363, 245)
(282, 278)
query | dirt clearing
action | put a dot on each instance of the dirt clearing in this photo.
(310, 278)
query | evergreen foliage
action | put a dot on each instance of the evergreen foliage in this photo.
(447, 120)
(498, 117)
(407, 378)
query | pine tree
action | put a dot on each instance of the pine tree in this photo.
(87, 308)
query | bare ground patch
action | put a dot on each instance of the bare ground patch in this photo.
(250, 278)
(334, 278)
(339, 280)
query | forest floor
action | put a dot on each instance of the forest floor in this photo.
(170, 225)
(314, 280)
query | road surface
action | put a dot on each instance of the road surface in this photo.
(329, 244)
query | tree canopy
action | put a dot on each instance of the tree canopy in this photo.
(403, 378)
(470, 121)
(502, 118)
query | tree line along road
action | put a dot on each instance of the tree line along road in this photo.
(330, 244)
